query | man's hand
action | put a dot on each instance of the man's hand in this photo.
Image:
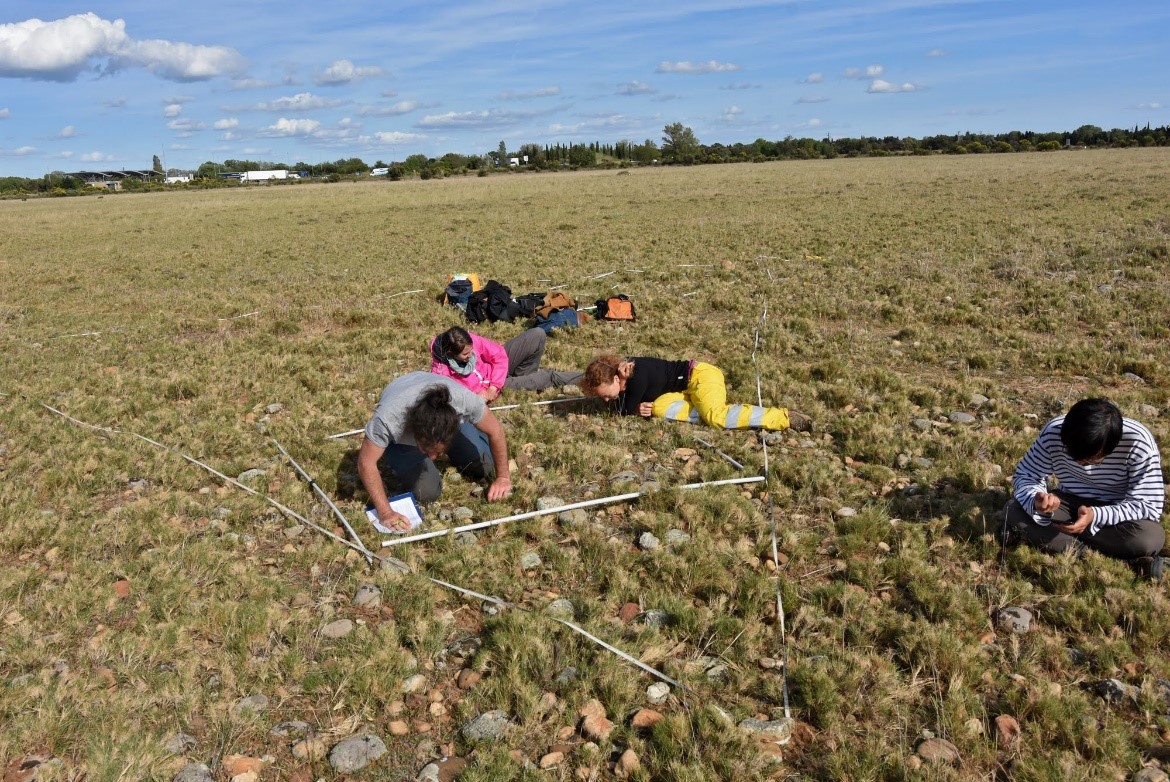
(1045, 503)
(645, 409)
(1080, 524)
(500, 488)
(393, 520)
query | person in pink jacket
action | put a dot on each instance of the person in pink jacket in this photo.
(487, 367)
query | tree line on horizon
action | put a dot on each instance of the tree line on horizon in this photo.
(678, 146)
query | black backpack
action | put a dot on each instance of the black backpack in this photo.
(528, 304)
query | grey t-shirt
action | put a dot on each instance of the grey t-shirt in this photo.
(389, 422)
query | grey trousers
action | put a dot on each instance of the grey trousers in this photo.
(1128, 540)
(524, 353)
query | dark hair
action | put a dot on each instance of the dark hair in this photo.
(451, 342)
(432, 420)
(1091, 427)
(600, 371)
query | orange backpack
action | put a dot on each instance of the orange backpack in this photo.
(617, 307)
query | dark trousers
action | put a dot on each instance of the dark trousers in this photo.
(469, 453)
(524, 353)
(1127, 540)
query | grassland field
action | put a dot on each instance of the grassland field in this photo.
(141, 597)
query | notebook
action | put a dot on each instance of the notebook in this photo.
(404, 504)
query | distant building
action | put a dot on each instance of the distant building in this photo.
(379, 172)
(112, 180)
(176, 180)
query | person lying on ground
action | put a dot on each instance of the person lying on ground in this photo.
(1110, 494)
(419, 418)
(680, 391)
(486, 367)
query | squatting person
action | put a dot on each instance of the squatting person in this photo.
(1110, 493)
(684, 390)
(419, 418)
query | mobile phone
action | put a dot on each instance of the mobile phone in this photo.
(1063, 514)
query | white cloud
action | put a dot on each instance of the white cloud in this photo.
(597, 124)
(389, 93)
(741, 86)
(812, 124)
(813, 78)
(636, 88)
(185, 125)
(711, 66)
(869, 72)
(178, 99)
(67, 132)
(183, 61)
(4, 113)
(116, 103)
(396, 110)
(732, 113)
(302, 101)
(18, 152)
(172, 109)
(391, 138)
(879, 86)
(61, 49)
(471, 120)
(542, 92)
(291, 127)
(249, 84)
(97, 157)
(812, 99)
(345, 72)
(937, 53)
(226, 124)
(1155, 106)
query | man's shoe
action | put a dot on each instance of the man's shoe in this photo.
(1148, 567)
(799, 422)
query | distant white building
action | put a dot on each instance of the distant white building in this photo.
(379, 172)
(176, 180)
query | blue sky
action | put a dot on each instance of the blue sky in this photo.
(109, 83)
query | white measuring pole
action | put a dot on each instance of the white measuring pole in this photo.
(560, 509)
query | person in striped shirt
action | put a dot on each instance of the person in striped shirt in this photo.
(1109, 495)
(683, 390)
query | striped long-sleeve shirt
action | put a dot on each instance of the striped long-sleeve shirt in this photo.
(1128, 481)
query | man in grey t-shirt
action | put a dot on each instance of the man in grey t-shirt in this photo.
(419, 418)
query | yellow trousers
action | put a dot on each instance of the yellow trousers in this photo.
(705, 401)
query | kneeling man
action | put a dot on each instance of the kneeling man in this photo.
(1110, 493)
(419, 418)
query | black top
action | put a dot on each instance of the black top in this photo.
(651, 378)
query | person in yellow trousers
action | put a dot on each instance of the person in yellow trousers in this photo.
(687, 390)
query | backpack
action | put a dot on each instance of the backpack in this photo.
(528, 304)
(493, 302)
(617, 307)
(459, 289)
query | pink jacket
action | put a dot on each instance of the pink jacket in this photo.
(491, 365)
